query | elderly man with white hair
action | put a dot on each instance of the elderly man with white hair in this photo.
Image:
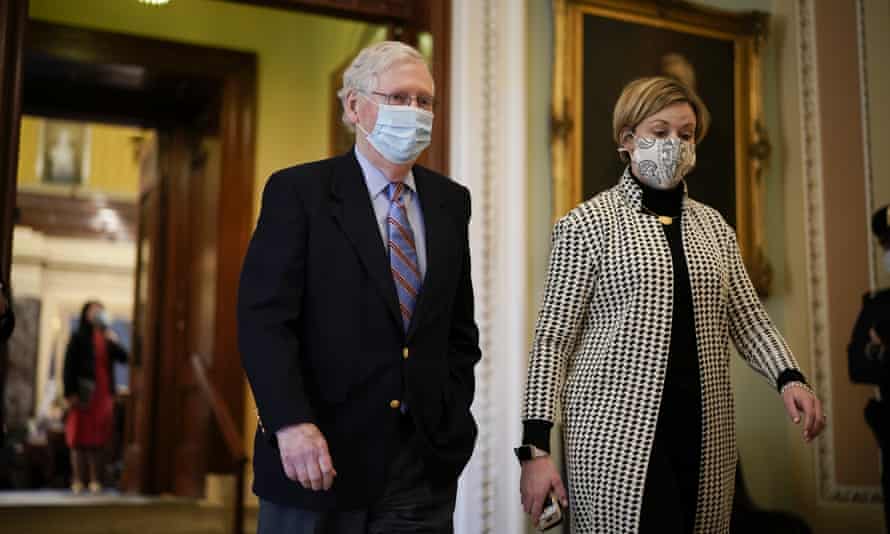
(355, 322)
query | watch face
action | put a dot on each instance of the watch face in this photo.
(523, 453)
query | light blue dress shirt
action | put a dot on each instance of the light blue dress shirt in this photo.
(377, 183)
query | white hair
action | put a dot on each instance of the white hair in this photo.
(373, 60)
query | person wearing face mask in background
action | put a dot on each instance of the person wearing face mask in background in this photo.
(355, 322)
(646, 288)
(89, 393)
(868, 354)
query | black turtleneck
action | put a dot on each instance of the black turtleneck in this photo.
(683, 366)
(672, 480)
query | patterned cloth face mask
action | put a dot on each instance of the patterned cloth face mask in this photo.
(663, 163)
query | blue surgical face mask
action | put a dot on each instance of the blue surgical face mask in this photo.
(401, 132)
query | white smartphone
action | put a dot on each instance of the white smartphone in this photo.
(552, 514)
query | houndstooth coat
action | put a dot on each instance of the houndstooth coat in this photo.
(601, 347)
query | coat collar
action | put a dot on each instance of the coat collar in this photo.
(632, 193)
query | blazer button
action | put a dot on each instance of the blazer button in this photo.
(405, 353)
(394, 404)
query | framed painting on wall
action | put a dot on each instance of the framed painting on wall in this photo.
(63, 156)
(601, 45)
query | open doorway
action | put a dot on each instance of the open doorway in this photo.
(134, 184)
(76, 220)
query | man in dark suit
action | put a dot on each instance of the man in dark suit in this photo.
(356, 325)
(869, 352)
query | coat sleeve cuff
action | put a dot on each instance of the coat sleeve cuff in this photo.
(789, 375)
(537, 432)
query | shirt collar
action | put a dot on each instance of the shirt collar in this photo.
(375, 180)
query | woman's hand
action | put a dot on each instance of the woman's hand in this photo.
(800, 400)
(111, 335)
(539, 478)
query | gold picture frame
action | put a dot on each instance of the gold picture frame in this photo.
(741, 35)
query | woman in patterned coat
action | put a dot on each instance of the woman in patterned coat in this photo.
(645, 290)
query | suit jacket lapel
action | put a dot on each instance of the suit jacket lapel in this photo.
(354, 213)
(439, 237)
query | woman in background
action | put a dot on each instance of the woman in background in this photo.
(89, 392)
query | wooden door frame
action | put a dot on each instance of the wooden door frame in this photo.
(13, 23)
(235, 73)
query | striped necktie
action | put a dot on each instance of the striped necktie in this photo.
(402, 252)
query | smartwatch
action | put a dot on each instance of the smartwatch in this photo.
(529, 452)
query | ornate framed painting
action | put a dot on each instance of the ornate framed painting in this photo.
(601, 45)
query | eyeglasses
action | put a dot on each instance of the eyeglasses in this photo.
(424, 102)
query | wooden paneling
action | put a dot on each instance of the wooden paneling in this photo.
(234, 219)
(13, 14)
(139, 452)
(434, 16)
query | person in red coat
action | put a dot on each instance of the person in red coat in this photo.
(89, 392)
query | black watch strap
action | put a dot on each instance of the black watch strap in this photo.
(523, 453)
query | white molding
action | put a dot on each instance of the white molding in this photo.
(866, 137)
(488, 140)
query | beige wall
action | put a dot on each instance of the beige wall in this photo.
(844, 195)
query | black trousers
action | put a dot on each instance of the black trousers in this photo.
(408, 504)
(671, 492)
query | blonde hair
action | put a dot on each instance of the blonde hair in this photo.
(644, 97)
(373, 60)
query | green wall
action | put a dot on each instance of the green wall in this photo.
(297, 54)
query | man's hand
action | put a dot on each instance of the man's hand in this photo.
(797, 400)
(305, 456)
(539, 478)
(873, 337)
